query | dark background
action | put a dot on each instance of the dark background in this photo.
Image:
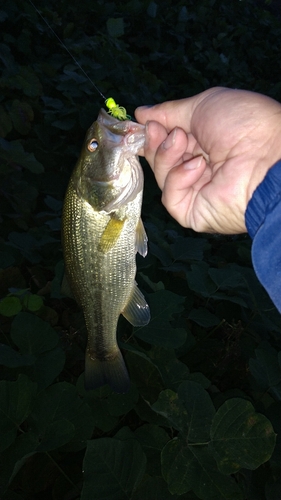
(213, 326)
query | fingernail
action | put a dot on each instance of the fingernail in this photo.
(193, 164)
(147, 106)
(170, 141)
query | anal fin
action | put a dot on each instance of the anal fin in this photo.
(137, 310)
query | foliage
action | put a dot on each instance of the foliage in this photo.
(203, 412)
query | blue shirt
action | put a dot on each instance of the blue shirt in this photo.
(263, 222)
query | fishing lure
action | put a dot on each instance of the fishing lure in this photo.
(115, 110)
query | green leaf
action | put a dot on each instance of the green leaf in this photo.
(173, 371)
(153, 488)
(144, 374)
(113, 469)
(64, 124)
(22, 115)
(169, 406)
(10, 306)
(115, 27)
(199, 280)
(101, 418)
(53, 203)
(163, 305)
(203, 317)
(199, 378)
(265, 368)
(47, 367)
(240, 437)
(151, 436)
(6, 260)
(33, 302)
(152, 9)
(15, 457)
(97, 402)
(56, 435)
(227, 278)
(210, 282)
(193, 468)
(199, 411)
(27, 80)
(186, 249)
(37, 340)
(13, 359)
(16, 400)
(13, 152)
(120, 404)
(272, 490)
(56, 404)
(32, 335)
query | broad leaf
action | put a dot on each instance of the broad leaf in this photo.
(193, 468)
(32, 335)
(199, 411)
(57, 404)
(113, 469)
(265, 368)
(186, 249)
(13, 359)
(153, 488)
(203, 317)
(163, 305)
(241, 438)
(16, 399)
(169, 406)
(10, 306)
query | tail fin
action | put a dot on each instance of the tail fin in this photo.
(111, 371)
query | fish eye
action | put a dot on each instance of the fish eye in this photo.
(93, 145)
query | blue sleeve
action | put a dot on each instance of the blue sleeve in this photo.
(263, 222)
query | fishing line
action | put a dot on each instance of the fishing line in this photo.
(113, 108)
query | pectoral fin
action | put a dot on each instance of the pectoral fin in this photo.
(141, 239)
(137, 310)
(111, 234)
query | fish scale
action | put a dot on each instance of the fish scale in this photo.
(102, 231)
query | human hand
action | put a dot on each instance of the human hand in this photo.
(209, 153)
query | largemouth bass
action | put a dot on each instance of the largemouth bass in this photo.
(102, 231)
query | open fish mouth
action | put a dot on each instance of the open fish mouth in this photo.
(128, 135)
(126, 127)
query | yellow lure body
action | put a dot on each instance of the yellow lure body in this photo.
(115, 110)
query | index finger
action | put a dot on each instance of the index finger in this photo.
(178, 113)
(170, 114)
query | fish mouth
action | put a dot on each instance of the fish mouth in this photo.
(135, 138)
(126, 134)
(123, 127)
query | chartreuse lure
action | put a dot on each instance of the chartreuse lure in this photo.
(115, 110)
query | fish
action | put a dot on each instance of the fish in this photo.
(102, 231)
